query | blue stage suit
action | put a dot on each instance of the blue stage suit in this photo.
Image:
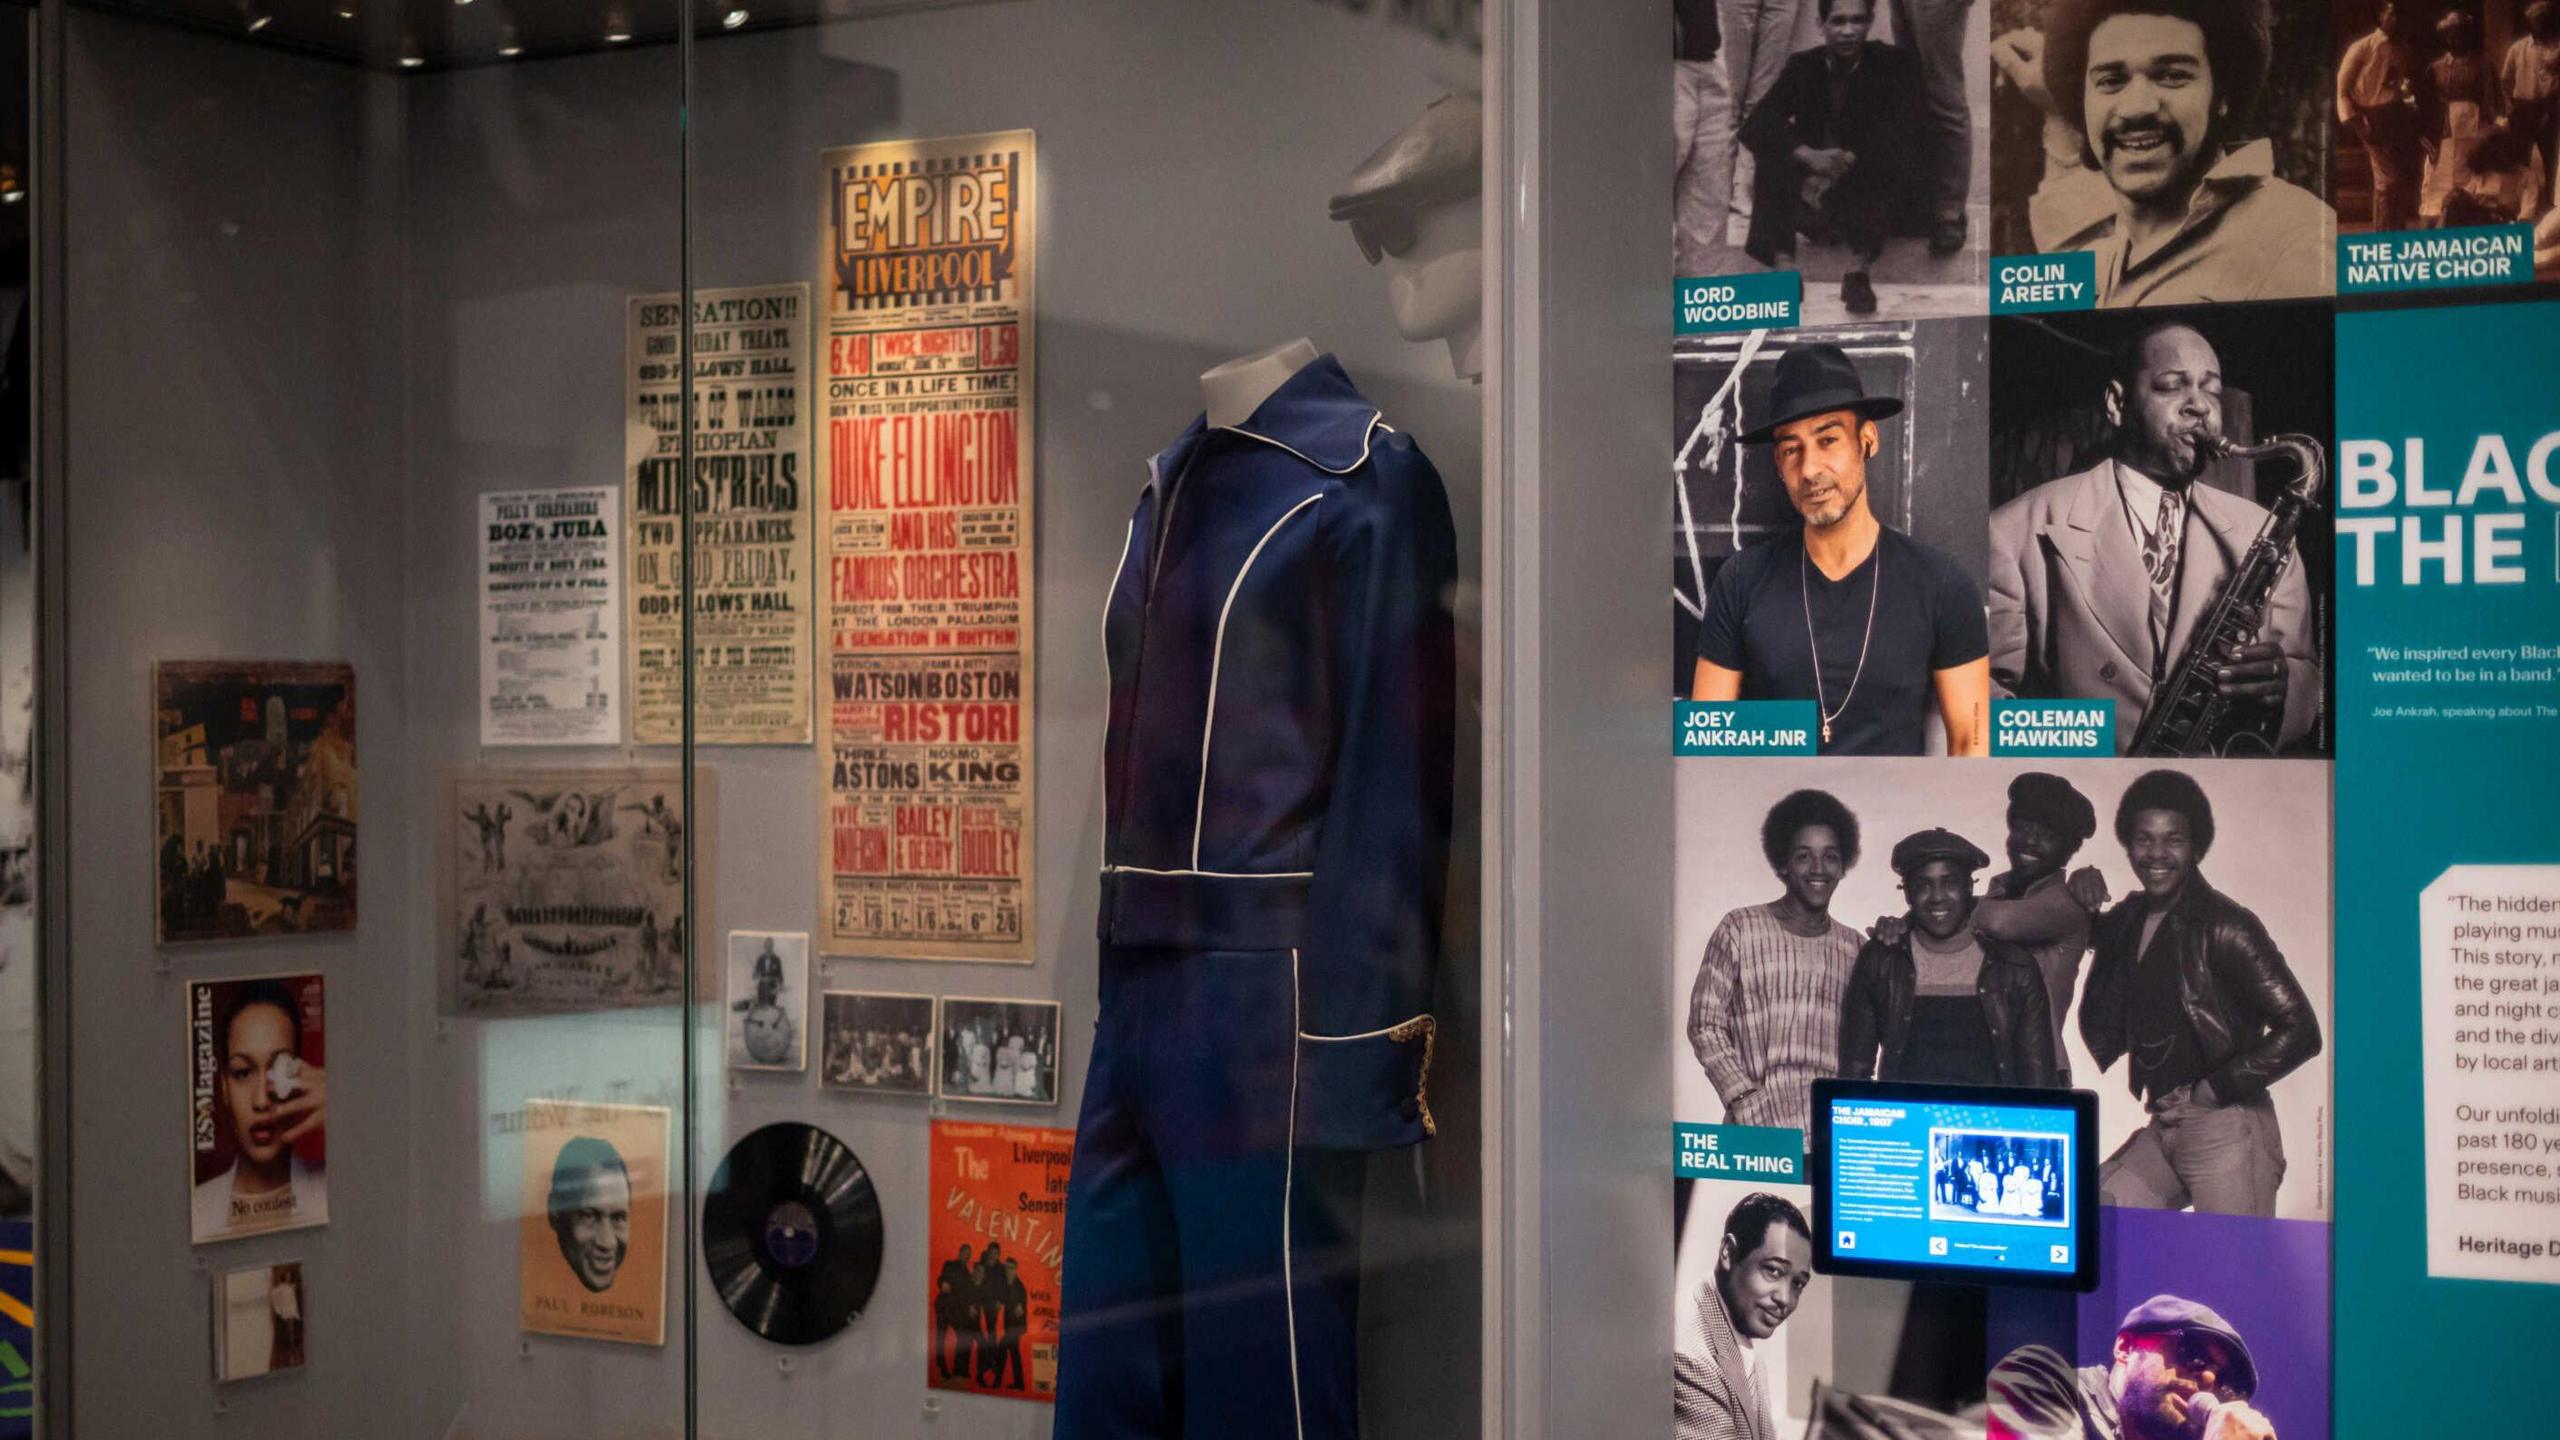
(1276, 844)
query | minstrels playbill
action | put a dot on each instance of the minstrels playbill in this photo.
(928, 450)
(751, 517)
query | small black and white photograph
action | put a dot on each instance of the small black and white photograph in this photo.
(768, 1000)
(2183, 143)
(1003, 1051)
(2011, 1176)
(2449, 117)
(875, 1041)
(2003, 923)
(2162, 524)
(1746, 1308)
(1828, 529)
(1846, 140)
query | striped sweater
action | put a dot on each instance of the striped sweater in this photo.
(1764, 1015)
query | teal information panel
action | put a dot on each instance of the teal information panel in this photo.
(1736, 302)
(1738, 1152)
(1743, 727)
(2448, 867)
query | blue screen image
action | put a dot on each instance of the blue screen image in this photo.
(1966, 1186)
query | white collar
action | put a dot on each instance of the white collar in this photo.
(2141, 495)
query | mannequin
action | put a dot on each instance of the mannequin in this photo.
(1234, 390)
(1416, 208)
(1436, 289)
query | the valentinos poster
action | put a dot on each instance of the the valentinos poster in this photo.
(998, 1244)
(550, 599)
(928, 460)
(751, 517)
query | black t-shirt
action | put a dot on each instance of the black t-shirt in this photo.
(1928, 617)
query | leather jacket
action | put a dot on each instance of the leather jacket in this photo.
(2252, 1021)
(1875, 1014)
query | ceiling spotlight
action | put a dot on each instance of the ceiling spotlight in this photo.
(255, 16)
(509, 47)
(410, 57)
(346, 9)
(461, 2)
(736, 17)
(617, 25)
(11, 192)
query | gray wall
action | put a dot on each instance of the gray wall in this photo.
(316, 311)
(227, 496)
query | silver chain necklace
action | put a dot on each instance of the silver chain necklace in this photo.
(1875, 587)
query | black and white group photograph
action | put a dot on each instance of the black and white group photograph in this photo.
(2161, 937)
(877, 1042)
(1000, 1050)
(2182, 143)
(1846, 140)
(2008, 1176)
(2449, 117)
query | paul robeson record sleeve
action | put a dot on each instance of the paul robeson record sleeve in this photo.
(928, 458)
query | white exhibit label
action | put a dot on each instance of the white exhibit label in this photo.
(2490, 937)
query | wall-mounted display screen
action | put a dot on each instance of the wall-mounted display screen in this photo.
(1944, 1182)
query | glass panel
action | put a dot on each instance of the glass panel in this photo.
(1025, 246)
(20, 1111)
(345, 412)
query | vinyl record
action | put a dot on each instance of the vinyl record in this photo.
(791, 1234)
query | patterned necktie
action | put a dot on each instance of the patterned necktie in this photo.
(2160, 557)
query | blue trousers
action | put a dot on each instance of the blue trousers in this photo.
(1212, 1266)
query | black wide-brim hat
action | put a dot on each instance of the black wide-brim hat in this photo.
(1816, 380)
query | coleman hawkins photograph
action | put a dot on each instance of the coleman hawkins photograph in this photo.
(1846, 140)
(2161, 523)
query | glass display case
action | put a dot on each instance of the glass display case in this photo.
(657, 877)
(856, 718)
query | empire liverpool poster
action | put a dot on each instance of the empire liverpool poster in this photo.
(927, 754)
(751, 517)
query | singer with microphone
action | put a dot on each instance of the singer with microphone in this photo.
(2178, 1371)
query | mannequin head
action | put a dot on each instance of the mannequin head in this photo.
(1436, 287)
(1413, 208)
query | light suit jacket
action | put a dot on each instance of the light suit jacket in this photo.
(1710, 1389)
(2071, 602)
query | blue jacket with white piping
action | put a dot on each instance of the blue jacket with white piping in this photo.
(1277, 768)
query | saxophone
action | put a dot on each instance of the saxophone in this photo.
(2188, 714)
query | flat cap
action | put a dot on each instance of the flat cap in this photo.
(2163, 1314)
(2052, 799)
(1436, 159)
(1913, 851)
